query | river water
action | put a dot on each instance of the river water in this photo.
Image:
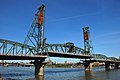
(27, 73)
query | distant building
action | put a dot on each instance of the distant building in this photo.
(68, 62)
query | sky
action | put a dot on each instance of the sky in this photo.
(64, 20)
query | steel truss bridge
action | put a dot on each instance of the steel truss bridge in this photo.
(10, 49)
(35, 48)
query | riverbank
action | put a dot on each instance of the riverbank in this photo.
(73, 65)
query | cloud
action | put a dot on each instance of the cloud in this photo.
(109, 34)
(72, 17)
(107, 39)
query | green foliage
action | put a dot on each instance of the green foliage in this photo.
(59, 65)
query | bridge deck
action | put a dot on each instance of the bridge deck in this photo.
(11, 57)
(68, 55)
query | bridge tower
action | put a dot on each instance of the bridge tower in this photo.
(35, 37)
(88, 48)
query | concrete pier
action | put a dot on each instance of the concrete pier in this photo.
(39, 67)
(88, 66)
(117, 65)
(107, 66)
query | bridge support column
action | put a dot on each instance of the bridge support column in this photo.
(88, 66)
(107, 66)
(39, 67)
(117, 65)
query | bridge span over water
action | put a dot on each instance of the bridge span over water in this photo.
(35, 48)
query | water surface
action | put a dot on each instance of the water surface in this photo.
(27, 73)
